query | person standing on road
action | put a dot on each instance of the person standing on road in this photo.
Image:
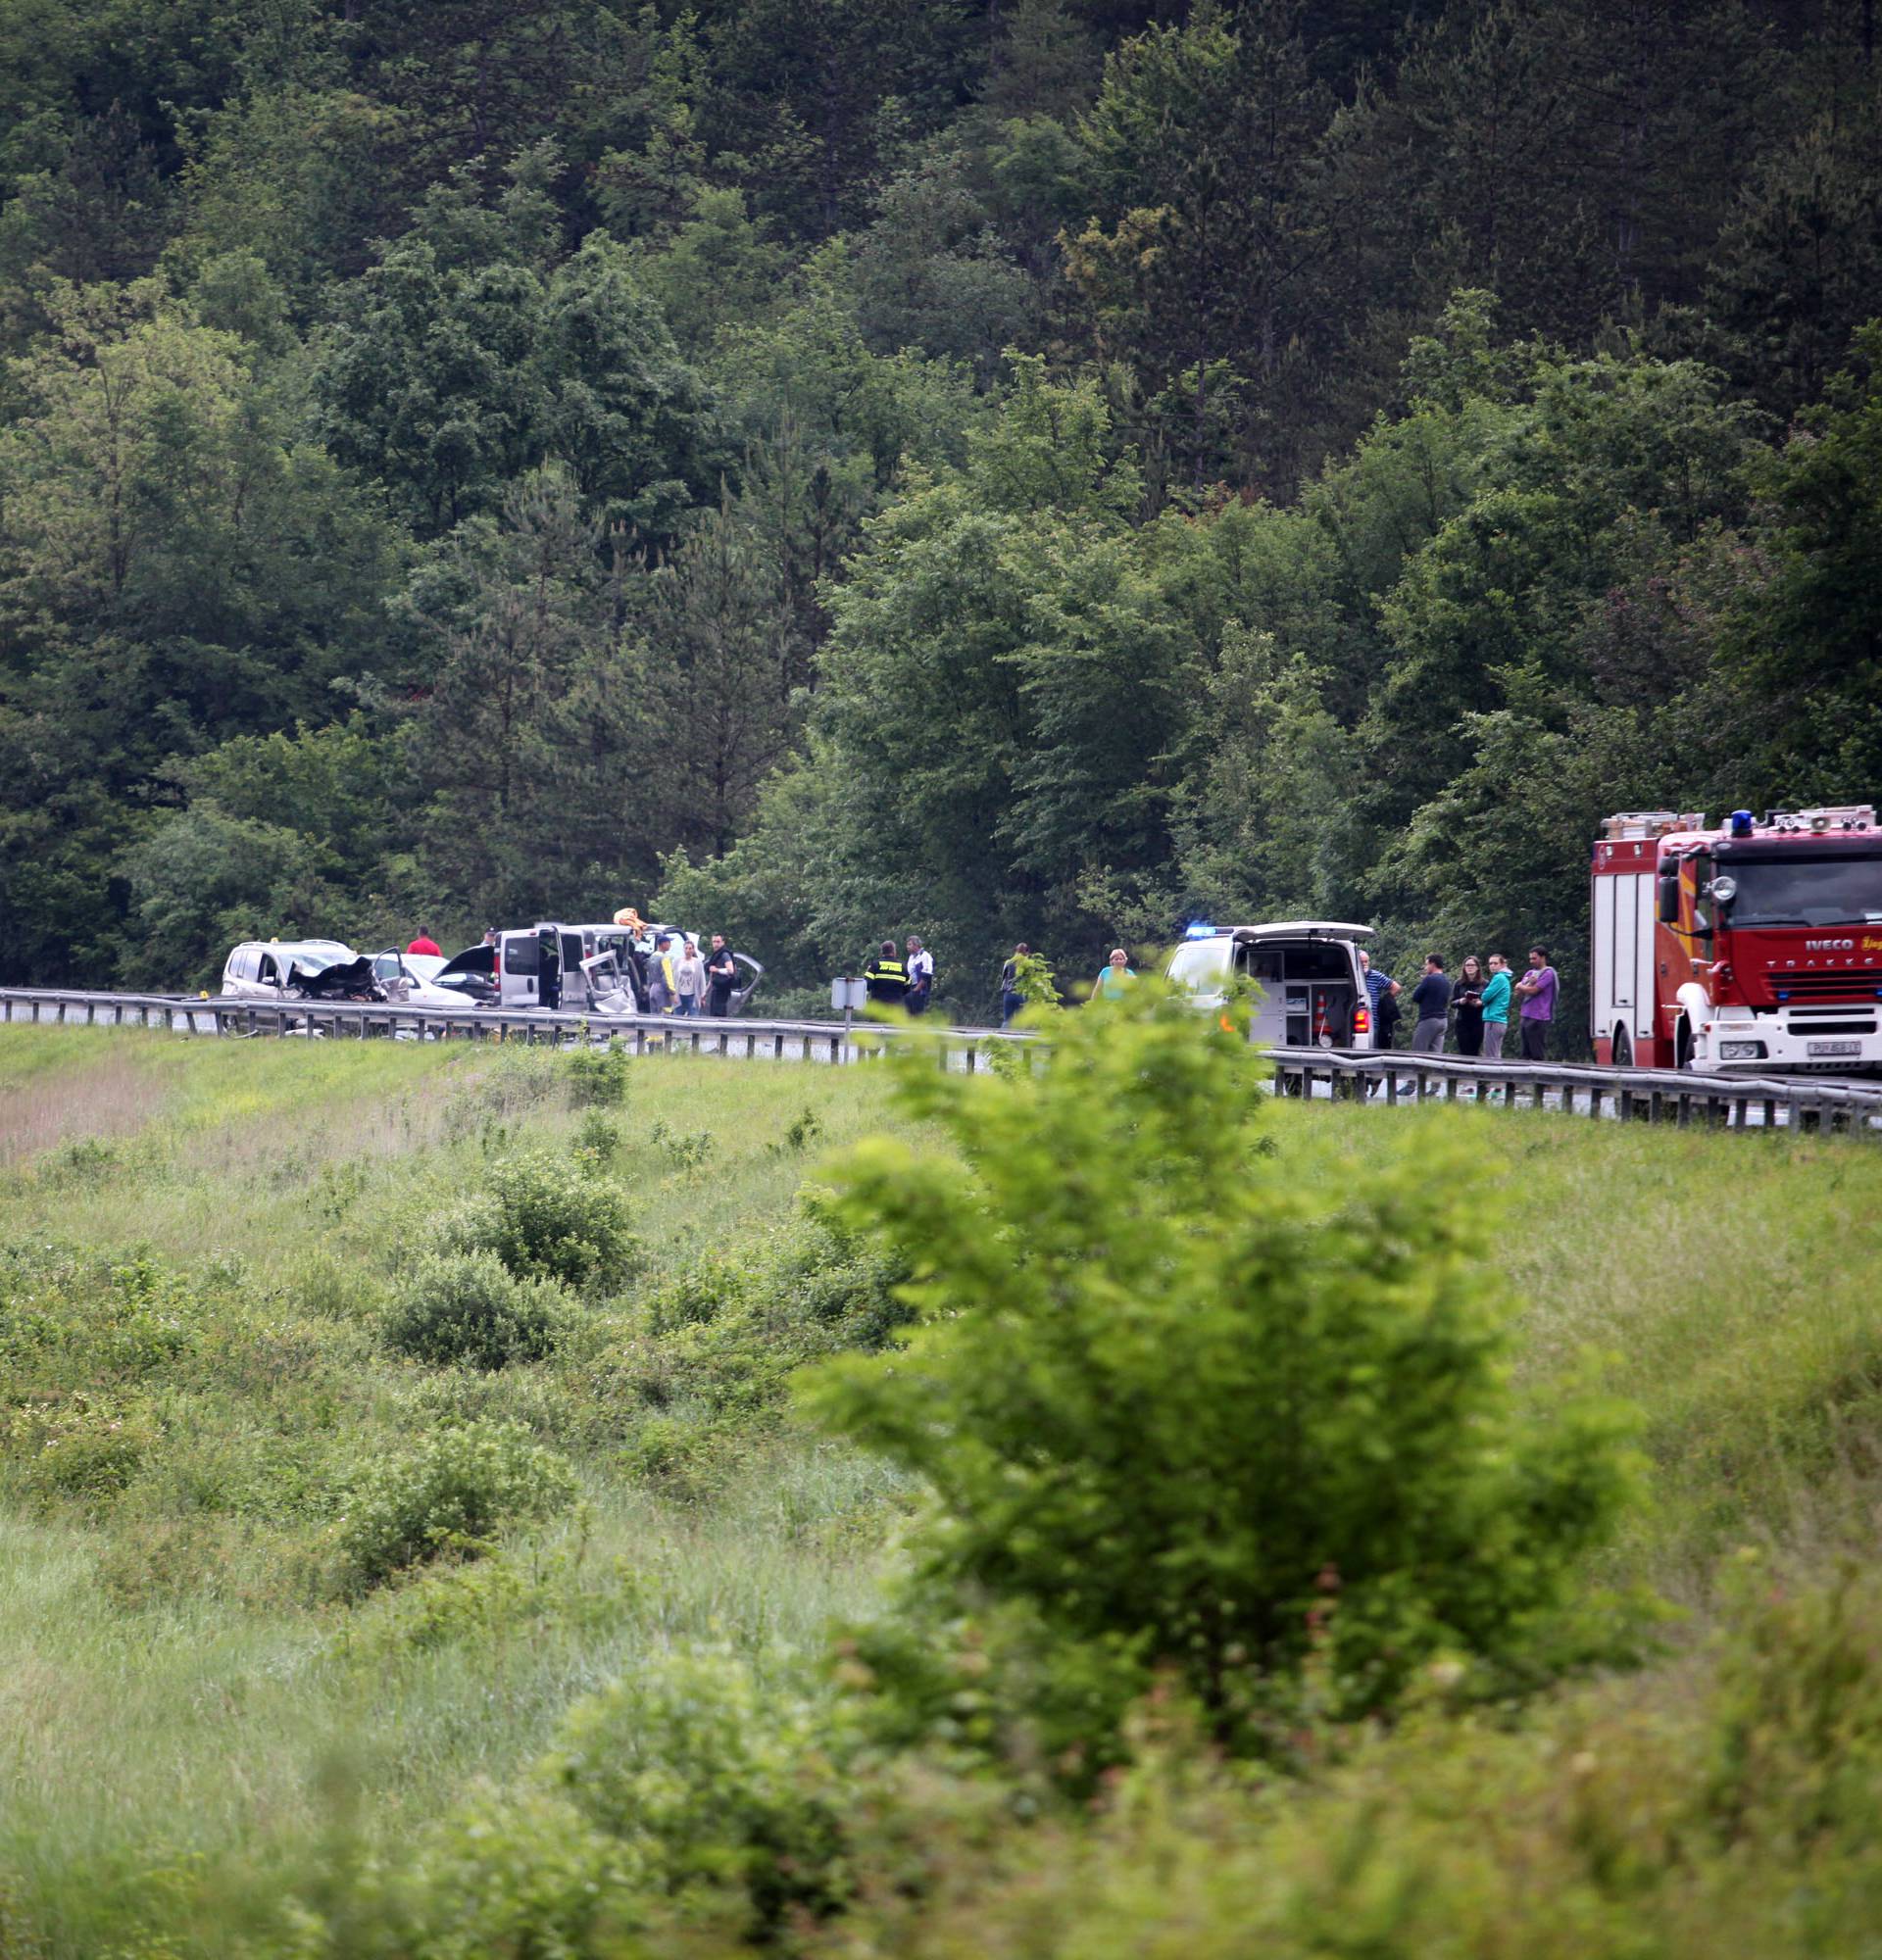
(1537, 992)
(1431, 997)
(1384, 993)
(1496, 1007)
(1011, 1001)
(662, 980)
(887, 978)
(1116, 978)
(1466, 1002)
(920, 977)
(722, 978)
(427, 945)
(689, 980)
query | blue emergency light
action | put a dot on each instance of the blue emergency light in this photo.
(1740, 823)
(1199, 929)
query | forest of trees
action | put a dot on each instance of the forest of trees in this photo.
(996, 469)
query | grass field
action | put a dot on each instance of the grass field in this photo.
(198, 1241)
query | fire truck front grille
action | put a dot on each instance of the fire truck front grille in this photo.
(1864, 986)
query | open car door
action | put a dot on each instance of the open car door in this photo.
(610, 991)
(518, 970)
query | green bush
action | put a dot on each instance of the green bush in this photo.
(597, 1138)
(701, 1294)
(83, 1447)
(548, 1218)
(470, 1308)
(1727, 1811)
(493, 1601)
(688, 1149)
(1207, 1408)
(451, 1494)
(597, 1077)
(721, 1784)
(516, 1874)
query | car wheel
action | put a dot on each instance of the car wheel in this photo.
(1683, 1047)
(1624, 1049)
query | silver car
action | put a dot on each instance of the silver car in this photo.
(278, 969)
(411, 979)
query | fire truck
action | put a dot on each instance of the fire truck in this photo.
(1750, 946)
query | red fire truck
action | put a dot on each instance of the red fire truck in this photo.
(1755, 945)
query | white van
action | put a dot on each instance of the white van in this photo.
(278, 969)
(561, 966)
(1312, 987)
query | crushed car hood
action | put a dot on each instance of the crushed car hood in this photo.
(342, 981)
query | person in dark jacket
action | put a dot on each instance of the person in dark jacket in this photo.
(887, 978)
(1466, 1002)
(1431, 999)
(721, 977)
(1011, 1001)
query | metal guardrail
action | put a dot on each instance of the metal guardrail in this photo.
(1802, 1102)
(1391, 1077)
(216, 1015)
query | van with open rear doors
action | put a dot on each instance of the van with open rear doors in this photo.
(1312, 989)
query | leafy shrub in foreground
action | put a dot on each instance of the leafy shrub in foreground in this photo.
(470, 1308)
(720, 1784)
(1198, 1406)
(1729, 1813)
(453, 1493)
(547, 1218)
(514, 1873)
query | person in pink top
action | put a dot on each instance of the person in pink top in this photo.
(424, 943)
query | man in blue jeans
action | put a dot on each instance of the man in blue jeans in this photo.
(1536, 990)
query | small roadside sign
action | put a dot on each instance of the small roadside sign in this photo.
(849, 994)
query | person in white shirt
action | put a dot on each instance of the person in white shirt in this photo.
(689, 977)
(920, 977)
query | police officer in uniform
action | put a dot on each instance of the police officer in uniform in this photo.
(887, 978)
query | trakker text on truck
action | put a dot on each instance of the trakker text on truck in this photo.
(1755, 945)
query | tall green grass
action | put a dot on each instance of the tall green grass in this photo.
(189, 1711)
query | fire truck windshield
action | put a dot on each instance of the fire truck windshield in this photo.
(1807, 891)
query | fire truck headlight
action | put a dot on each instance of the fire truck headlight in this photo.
(1741, 1050)
(1724, 889)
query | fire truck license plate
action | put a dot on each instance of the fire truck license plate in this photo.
(1833, 1047)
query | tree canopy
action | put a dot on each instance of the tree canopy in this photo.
(1034, 471)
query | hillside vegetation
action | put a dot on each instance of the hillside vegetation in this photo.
(1039, 470)
(421, 1538)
